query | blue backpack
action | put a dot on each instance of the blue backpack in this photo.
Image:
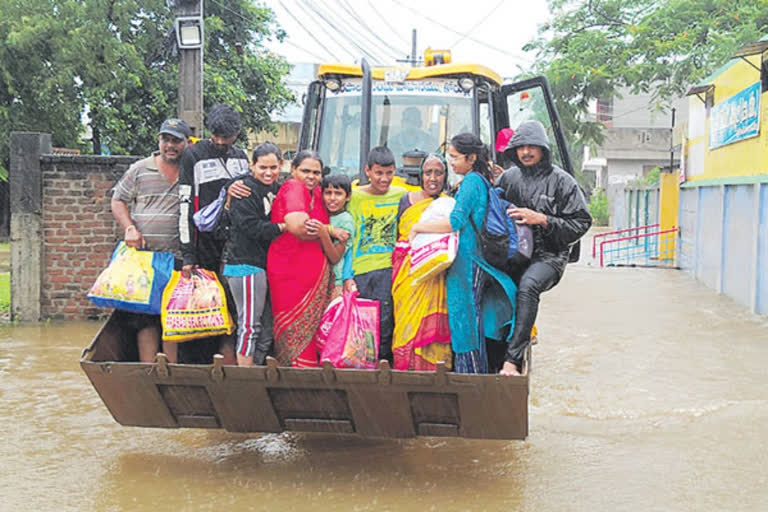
(503, 242)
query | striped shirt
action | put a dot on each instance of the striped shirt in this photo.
(154, 204)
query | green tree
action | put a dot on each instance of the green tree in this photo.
(598, 207)
(592, 48)
(36, 92)
(113, 64)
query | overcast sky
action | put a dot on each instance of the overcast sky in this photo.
(488, 32)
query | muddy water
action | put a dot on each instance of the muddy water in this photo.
(648, 393)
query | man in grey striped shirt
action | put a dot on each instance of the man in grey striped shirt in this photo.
(145, 202)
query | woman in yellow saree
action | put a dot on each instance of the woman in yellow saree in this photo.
(421, 337)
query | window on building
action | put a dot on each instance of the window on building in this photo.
(605, 110)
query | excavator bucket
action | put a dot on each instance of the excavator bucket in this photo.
(381, 403)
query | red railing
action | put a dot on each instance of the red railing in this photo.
(655, 247)
(618, 232)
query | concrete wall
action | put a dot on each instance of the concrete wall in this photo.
(636, 206)
(636, 144)
(636, 111)
(621, 174)
(724, 240)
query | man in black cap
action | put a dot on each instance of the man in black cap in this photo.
(145, 202)
(550, 201)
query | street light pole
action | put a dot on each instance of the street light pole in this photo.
(191, 71)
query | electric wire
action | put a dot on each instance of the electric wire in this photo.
(350, 28)
(383, 18)
(309, 32)
(332, 28)
(328, 29)
(367, 29)
(286, 41)
(483, 43)
(308, 52)
(472, 29)
(622, 114)
(347, 32)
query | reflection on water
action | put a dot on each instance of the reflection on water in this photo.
(648, 393)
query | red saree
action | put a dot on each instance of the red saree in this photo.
(299, 278)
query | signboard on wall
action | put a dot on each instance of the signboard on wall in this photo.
(736, 118)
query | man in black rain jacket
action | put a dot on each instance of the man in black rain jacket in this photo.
(549, 200)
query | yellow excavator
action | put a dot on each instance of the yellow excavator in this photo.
(348, 109)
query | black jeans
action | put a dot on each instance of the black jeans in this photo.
(531, 281)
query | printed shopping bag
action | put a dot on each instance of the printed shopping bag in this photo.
(352, 341)
(133, 281)
(194, 307)
(432, 253)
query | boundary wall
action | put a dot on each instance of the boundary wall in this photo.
(724, 239)
(62, 229)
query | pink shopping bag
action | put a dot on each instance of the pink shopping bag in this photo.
(326, 322)
(352, 339)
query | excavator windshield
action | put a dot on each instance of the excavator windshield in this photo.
(413, 115)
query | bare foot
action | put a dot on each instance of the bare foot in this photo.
(245, 360)
(509, 369)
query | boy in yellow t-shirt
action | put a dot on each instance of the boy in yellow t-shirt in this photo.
(374, 209)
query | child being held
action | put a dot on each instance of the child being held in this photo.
(336, 238)
(245, 254)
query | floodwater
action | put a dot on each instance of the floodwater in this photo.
(648, 393)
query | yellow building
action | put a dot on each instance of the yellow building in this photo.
(723, 184)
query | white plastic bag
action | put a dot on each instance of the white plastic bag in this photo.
(432, 253)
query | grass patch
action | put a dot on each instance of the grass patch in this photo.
(5, 291)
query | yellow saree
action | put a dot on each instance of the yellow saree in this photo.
(421, 336)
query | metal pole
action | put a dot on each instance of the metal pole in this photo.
(413, 48)
(191, 74)
(365, 118)
(672, 144)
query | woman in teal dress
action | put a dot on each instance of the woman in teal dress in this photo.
(481, 298)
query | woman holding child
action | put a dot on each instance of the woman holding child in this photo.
(422, 335)
(470, 275)
(298, 272)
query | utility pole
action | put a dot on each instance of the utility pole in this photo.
(191, 71)
(672, 143)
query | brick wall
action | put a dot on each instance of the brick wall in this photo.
(79, 232)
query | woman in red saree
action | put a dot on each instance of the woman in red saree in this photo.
(298, 273)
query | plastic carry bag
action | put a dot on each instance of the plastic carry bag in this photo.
(206, 217)
(432, 253)
(133, 281)
(327, 321)
(351, 332)
(195, 308)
